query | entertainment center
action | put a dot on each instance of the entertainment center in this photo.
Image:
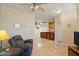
(74, 50)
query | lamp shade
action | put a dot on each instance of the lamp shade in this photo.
(3, 35)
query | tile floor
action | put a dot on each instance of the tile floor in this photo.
(49, 48)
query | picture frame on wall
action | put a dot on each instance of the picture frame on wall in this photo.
(17, 26)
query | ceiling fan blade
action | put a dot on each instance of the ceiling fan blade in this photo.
(41, 3)
(34, 6)
(41, 9)
(33, 10)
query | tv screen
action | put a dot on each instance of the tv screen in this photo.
(76, 38)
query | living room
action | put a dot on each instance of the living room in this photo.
(20, 19)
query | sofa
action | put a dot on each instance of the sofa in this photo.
(25, 45)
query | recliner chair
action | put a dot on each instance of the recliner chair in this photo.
(26, 46)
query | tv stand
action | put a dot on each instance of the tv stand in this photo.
(73, 51)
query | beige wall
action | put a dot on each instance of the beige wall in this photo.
(11, 16)
(78, 16)
(68, 25)
(0, 12)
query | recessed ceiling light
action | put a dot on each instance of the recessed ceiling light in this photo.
(59, 11)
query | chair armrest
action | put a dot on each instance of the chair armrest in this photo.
(5, 48)
(28, 41)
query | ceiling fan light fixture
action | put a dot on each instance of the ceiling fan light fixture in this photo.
(36, 7)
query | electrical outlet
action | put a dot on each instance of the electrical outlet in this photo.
(59, 41)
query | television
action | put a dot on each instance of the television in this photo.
(76, 38)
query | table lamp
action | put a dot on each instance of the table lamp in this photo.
(3, 36)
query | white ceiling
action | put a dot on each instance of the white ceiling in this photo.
(50, 9)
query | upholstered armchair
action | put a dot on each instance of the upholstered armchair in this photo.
(25, 45)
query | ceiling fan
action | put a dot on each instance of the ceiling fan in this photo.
(35, 6)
